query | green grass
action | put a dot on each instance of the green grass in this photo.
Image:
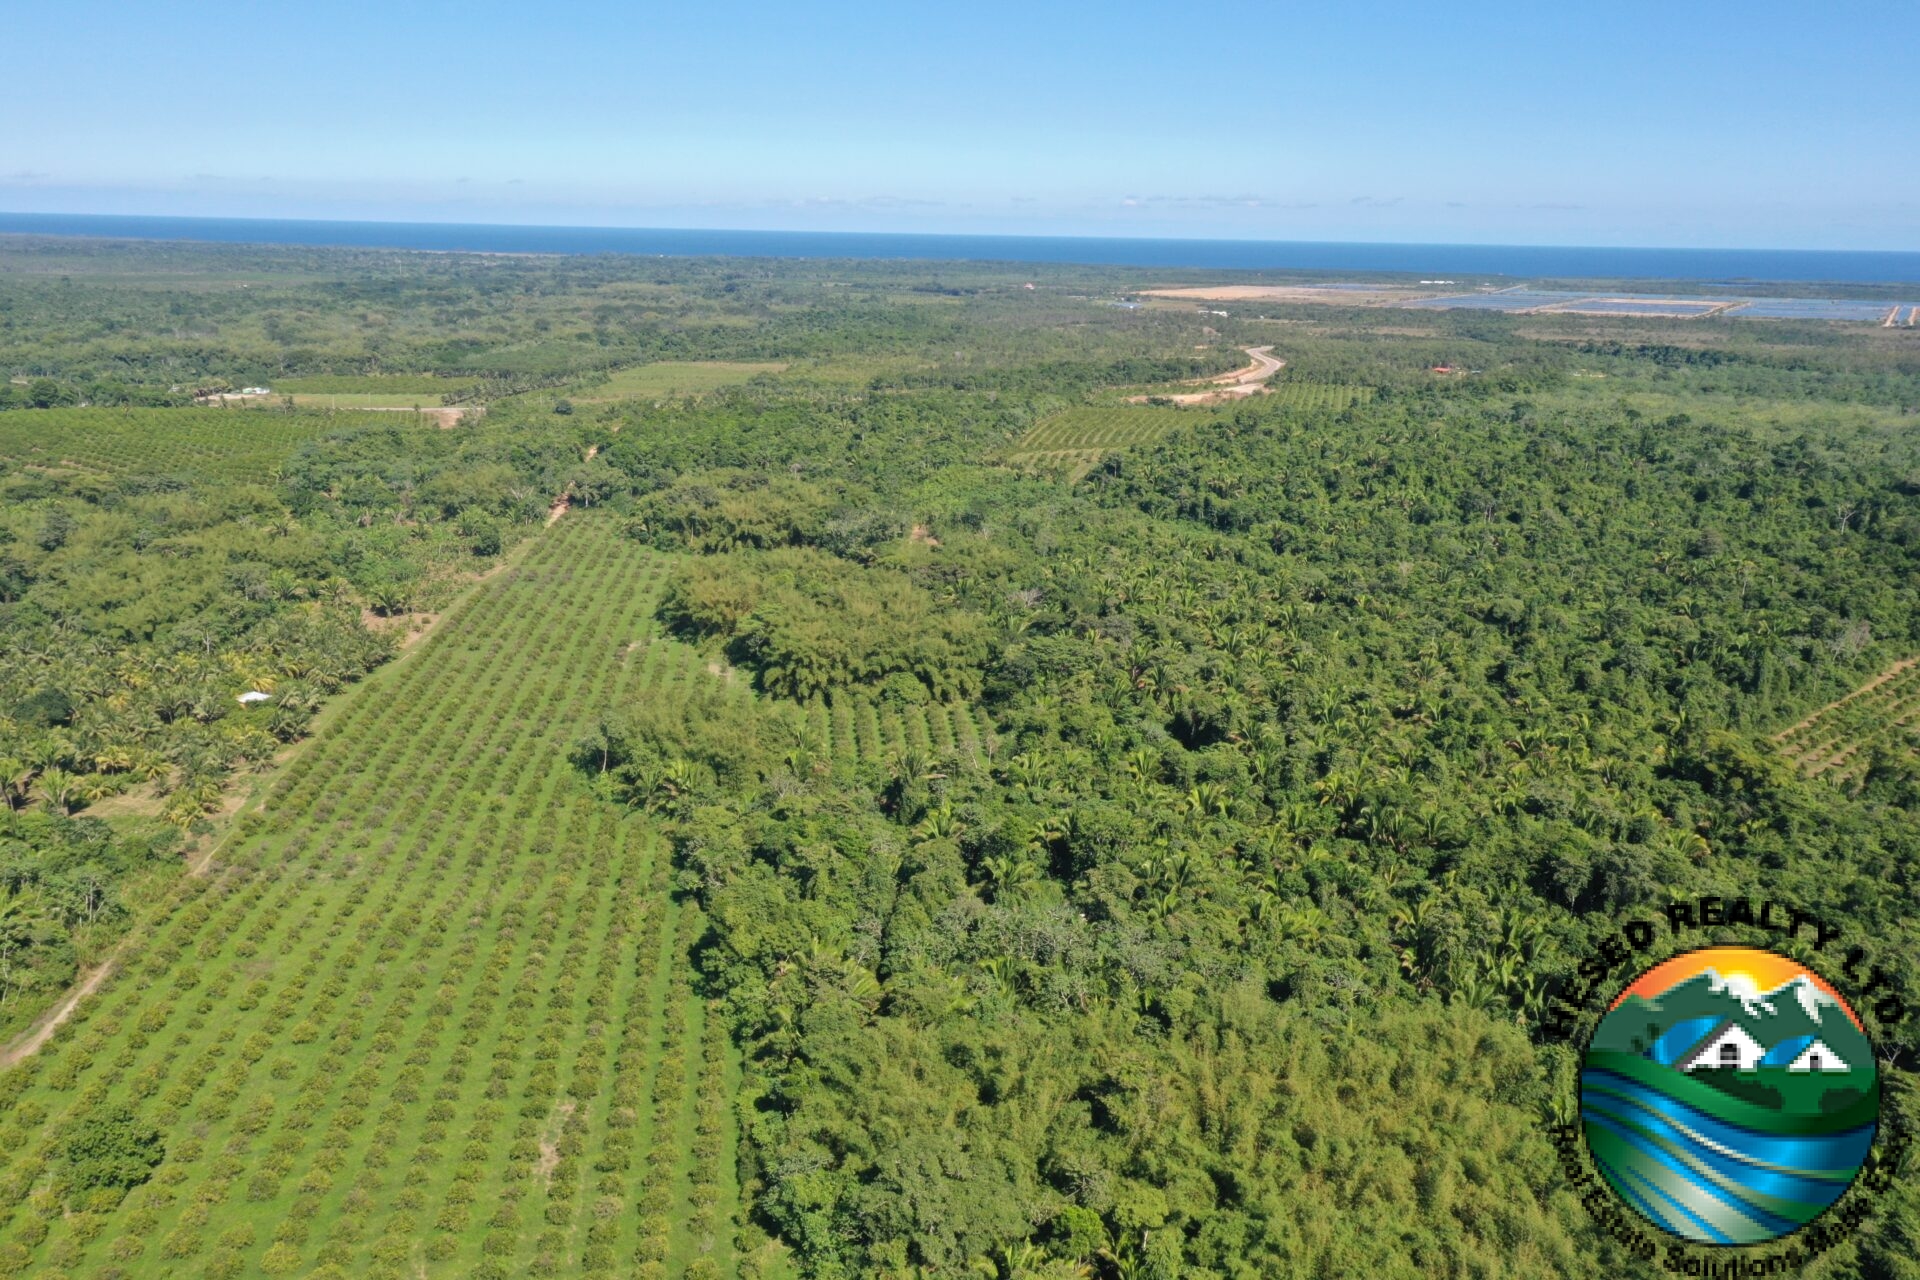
(430, 1014)
(222, 444)
(672, 379)
(366, 400)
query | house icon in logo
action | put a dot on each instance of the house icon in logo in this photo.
(1730, 1046)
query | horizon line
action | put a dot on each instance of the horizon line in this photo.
(935, 235)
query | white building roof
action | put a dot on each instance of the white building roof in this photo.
(1747, 1056)
(1818, 1057)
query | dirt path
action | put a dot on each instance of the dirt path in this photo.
(39, 1033)
(1237, 385)
(565, 500)
(29, 1041)
(1904, 664)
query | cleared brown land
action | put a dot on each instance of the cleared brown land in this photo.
(1361, 297)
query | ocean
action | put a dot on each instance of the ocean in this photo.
(1517, 261)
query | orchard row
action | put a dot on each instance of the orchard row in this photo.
(432, 1013)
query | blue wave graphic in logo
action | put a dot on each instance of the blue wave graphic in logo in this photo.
(1709, 1178)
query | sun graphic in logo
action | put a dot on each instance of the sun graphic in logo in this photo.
(1729, 1095)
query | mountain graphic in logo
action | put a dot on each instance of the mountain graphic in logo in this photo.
(1730, 1096)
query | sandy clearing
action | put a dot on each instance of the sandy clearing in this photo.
(1364, 296)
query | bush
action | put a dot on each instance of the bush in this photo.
(108, 1149)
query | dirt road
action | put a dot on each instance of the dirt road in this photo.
(30, 1041)
(1237, 385)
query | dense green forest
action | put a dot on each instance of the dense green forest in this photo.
(1316, 745)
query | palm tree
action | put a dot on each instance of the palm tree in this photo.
(1007, 873)
(16, 778)
(60, 789)
(938, 823)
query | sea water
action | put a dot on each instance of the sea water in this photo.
(1519, 261)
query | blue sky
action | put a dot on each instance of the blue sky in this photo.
(1698, 122)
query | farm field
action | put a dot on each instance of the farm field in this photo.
(1106, 427)
(1078, 437)
(669, 379)
(220, 444)
(365, 400)
(375, 384)
(1838, 742)
(429, 1012)
(857, 729)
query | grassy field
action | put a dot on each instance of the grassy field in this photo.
(672, 379)
(224, 444)
(366, 400)
(1837, 742)
(1076, 438)
(430, 1012)
(378, 384)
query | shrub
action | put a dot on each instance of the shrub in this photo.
(181, 1242)
(108, 1149)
